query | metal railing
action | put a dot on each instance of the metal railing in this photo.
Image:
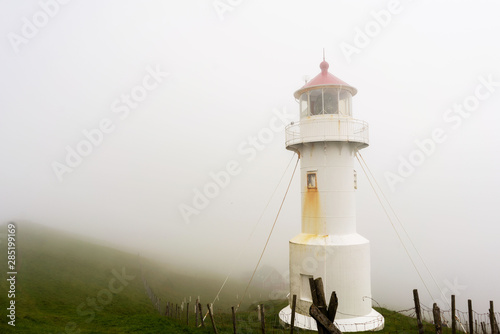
(316, 129)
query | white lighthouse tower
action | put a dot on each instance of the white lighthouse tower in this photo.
(326, 139)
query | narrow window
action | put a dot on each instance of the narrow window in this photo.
(355, 180)
(305, 288)
(311, 180)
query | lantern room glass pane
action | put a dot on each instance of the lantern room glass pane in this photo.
(345, 99)
(331, 100)
(304, 110)
(316, 102)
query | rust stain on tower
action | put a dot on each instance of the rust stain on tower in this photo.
(311, 211)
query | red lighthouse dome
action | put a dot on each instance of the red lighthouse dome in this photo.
(325, 78)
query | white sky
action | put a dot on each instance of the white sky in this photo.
(226, 75)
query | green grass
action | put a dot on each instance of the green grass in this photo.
(57, 272)
(60, 276)
(399, 323)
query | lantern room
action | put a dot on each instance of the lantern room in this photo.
(325, 94)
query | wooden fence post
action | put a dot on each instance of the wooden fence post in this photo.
(315, 301)
(471, 317)
(453, 316)
(201, 315)
(212, 318)
(234, 319)
(493, 321)
(320, 293)
(436, 312)
(196, 313)
(187, 314)
(483, 327)
(312, 286)
(262, 319)
(332, 306)
(292, 322)
(418, 312)
(323, 320)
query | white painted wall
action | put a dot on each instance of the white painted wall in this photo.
(343, 262)
(331, 210)
(328, 246)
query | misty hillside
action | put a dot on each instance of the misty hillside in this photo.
(63, 284)
(69, 285)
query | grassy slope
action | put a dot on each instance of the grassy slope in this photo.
(57, 272)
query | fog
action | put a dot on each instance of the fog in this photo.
(168, 100)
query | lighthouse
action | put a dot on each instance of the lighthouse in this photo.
(326, 138)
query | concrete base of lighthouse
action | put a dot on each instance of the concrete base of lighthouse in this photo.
(343, 263)
(373, 321)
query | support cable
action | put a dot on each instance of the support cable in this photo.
(269, 236)
(251, 233)
(393, 226)
(404, 230)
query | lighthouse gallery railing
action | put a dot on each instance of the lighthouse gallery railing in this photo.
(328, 128)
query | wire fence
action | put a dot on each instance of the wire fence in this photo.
(481, 321)
(249, 321)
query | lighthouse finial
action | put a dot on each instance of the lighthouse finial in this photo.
(324, 65)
